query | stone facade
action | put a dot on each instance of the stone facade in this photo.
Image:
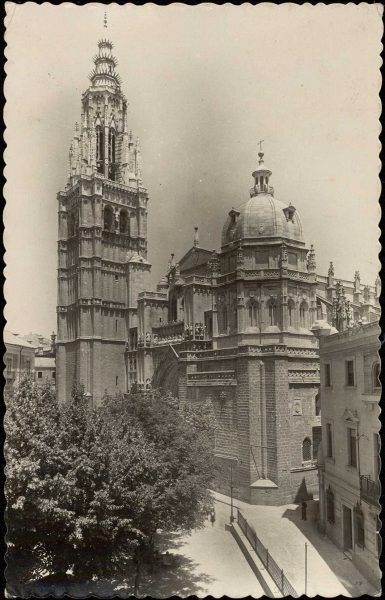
(349, 463)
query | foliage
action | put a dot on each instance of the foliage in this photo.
(88, 488)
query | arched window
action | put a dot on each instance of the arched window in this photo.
(272, 308)
(108, 218)
(291, 312)
(254, 314)
(376, 375)
(330, 505)
(111, 153)
(99, 149)
(306, 449)
(303, 311)
(359, 526)
(123, 222)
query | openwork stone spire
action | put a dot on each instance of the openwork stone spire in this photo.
(104, 73)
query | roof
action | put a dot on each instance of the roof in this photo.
(36, 340)
(262, 216)
(16, 340)
(194, 258)
(46, 362)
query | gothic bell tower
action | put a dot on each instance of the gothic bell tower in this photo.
(102, 241)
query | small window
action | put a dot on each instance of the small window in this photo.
(349, 373)
(328, 375)
(39, 375)
(329, 440)
(306, 449)
(116, 379)
(359, 526)
(53, 374)
(330, 505)
(352, 447)
(116, 277)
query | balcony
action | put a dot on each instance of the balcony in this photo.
(370, 490)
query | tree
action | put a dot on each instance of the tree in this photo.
(171, 493)
(87, 489)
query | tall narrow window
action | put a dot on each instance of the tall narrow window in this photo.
(116, 325)
(329, 440)
(317, 405)
(99, 149)
(306, 449)
(108, 218)
(317, 440)
(328, 375)
(330, 505)
(303, 310)
(123, 222)
(352, 447)
(272, 307)
(225, 318)
(290, 312)
(253, 313)
(111, 154)
(349, 373)
(359, 526)
(376, 375)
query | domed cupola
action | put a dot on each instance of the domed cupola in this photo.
(262, 216)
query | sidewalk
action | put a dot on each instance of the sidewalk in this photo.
(282, 531)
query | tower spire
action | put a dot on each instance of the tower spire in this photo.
(105, 19)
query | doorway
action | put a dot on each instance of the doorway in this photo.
(347, 528)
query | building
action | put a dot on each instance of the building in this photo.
(102, 247)
(45, 370)
(45, 353)
(349, 462)
(232, 328)
(19, 360)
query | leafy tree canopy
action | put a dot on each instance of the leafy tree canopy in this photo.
(88, 488)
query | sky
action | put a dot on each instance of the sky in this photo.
(204, 84)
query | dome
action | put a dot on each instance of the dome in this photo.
(262, 216)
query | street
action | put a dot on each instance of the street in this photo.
(208, 562)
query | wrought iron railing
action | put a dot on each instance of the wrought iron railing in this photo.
(370, 489)
(268, 561)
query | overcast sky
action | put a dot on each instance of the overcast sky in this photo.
(204, 84)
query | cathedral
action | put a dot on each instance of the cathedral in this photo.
(232, 328)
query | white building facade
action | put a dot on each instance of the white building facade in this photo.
(349, 463)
